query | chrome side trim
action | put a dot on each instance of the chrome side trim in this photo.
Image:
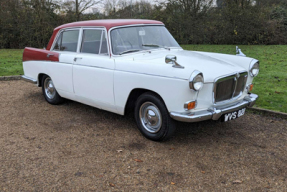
(214, 113)
(28, 79)
(131, 72)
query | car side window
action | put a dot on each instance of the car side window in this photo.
(58, 43)
(70, 40)
(67, 41)
(93, 42)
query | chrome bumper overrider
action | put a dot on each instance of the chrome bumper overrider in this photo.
(214, 113)
(28, 79)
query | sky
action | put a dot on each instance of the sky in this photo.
(99, 7)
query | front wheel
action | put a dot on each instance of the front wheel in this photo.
(50, 93)
(152, 117)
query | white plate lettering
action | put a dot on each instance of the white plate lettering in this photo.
(234, 115)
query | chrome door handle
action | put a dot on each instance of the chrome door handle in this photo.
(75, 59)
(49, 54)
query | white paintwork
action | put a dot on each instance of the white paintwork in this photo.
(93, 78)
(106, 81)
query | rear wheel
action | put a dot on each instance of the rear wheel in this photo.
(152, 117)
(50, 93)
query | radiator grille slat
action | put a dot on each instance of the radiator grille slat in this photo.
(224, 90)
(229, 87)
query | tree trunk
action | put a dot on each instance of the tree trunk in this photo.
(77, 10)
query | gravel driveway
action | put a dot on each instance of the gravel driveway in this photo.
(74, 147)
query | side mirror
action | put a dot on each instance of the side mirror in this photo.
(171, 59)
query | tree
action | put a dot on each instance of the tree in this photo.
(79, 6)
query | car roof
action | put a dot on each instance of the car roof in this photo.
(108, 23)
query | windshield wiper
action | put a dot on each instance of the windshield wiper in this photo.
(151, 45)
(154, 45)
(129, 51)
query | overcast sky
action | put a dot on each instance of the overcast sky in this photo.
(100, 6)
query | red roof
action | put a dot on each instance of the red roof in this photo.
(107, 23)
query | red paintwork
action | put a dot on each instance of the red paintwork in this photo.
(107, 23)
(32, 54)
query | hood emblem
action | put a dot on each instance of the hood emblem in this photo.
(239, 52)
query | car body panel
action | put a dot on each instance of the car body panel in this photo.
(106, 81)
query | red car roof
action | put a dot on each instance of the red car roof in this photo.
(107, 23)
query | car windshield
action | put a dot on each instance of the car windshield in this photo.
(132, 39)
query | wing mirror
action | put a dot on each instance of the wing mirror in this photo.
(171, 59)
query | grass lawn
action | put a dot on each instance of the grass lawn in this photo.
(11, 62)
(270, 84)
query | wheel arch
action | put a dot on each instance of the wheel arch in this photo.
(133, 96)
(39, 79)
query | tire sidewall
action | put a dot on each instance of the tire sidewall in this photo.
(166, 126)
(57, 99)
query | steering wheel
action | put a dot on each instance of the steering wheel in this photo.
(128, 43)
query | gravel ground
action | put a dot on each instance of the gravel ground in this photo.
(74, 147)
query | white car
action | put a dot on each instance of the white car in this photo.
(136, 65)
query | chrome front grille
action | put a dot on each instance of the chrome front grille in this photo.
(227, 88)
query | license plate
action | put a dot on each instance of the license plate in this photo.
(233, 115)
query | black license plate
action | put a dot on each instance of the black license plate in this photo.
(233, 115)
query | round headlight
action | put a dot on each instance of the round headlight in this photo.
(254, 69)
(196, 81)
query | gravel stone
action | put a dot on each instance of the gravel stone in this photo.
(73, 147)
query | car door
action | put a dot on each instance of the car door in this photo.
(93, 70)
(61, 73)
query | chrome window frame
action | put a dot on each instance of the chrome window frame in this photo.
(94, 28)
(57, 36)
(80, 28)
(134, 25)
(223, 78)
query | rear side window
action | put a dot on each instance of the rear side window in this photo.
(67, 41)
(94, 41)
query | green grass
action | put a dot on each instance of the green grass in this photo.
(11, 62)
(270, 84)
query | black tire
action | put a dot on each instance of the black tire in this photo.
(164, 128)
(55, 98)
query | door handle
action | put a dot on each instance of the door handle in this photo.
(49, 54)
(75, 59)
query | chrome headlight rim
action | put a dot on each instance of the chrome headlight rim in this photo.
(252, 67)
(192, 80)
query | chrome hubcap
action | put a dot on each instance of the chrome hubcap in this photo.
(50, 90)
(150, 117)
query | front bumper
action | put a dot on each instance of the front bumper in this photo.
(214, 113)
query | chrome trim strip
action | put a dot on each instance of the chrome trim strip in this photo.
(131, 72)
(214, 113)
(29, 79)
